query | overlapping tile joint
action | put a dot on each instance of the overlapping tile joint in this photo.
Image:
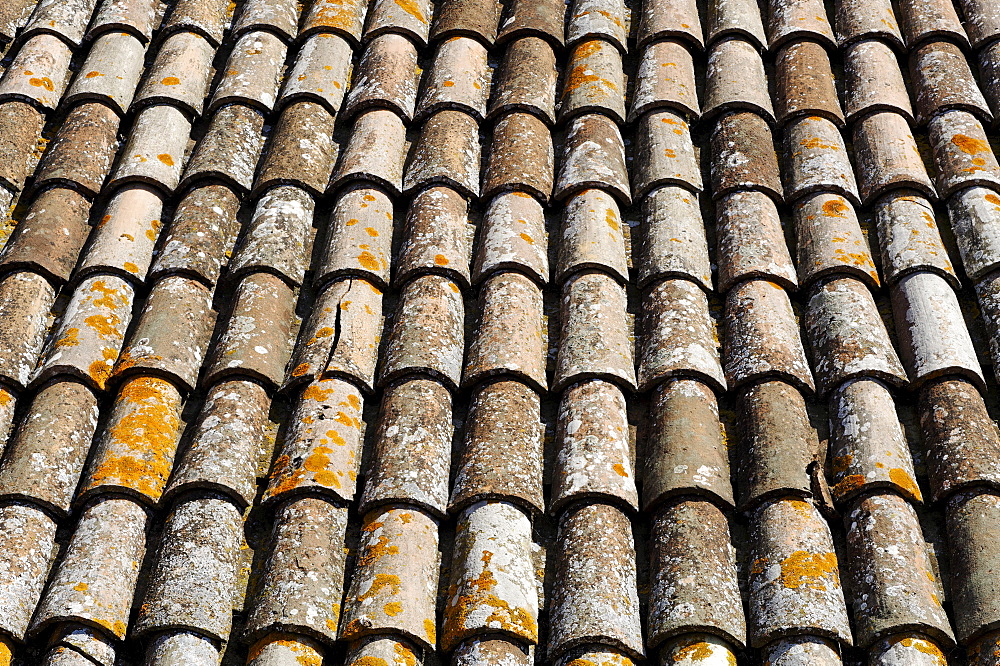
(379, 332)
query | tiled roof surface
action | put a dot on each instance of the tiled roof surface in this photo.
(395, 332)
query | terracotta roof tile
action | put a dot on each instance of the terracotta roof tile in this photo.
(386, 77)
(592, 236)
(137, 17)
(539, 18)
(932, 19)
(962, 153)
(229, 148)
(277, 235)
(49, 238)
(513, 237)
(207, 18)
(467, 18)
(47, 59)
(804, 84)
(796, 19)
(943, 80)
(873, 81)
(338, 17)
(180, 74)
(829, 241)
(887, 157)
(29, 550)
(25, 301)
(123, 241)
(593, 157)
(743, 156)
(909, 236)
(751, 242)
(867, 19)
(675, 19)
(67, 20)
(155, 150)
(81, 153)
(735, 79)
(459, 78)
(281, 18)
(526, 80)
(437, 236)
(412, 20)
(359, 236)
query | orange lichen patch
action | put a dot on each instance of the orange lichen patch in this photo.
(154, 228)
(81, 587)
(430, 631)
(612, 220)
(840, 464)
(166, 159)
(526, 238)
(970, 145)
(454, 287)
(104, 326)
(69, 339)
(373, 552)
(300, 369)
(448, 84)
(381, 582)
(143, 439)
(354, 401)
(371, 232)
(100, 370)
(368, 260)
(405, 657)
(901, 478)
(619, 469)
(314, 392)
(369, 660)
(816, 142)
(441, 260)
(805, 569)
(91, 75)
(328, 479)
(107, 299)
(130, 267)
(5, 398)
(694, 652)
(670, 152)
(323, 332)
(317, 461)
(393, 608)
(849, 484)
(304, 655)
(993, 199)
(6, 651)
(43, 82)
(170, 81)
(835, 208)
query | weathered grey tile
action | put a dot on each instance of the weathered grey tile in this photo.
(664, 154)
(596, 602)
(135, 452)
(943, 80)
(252, 73)
(172, 333)
(341, 336)
(137, 17)
(467, 18)
(665, 80)
(202, 232)
(726, 18)
(593, 462)
(592, 236)
(226, 444)
(340, 17)
(281, 18)
(81, 153)
(538, 18)
(39, 72)
(735, 79)
(679, 338)
(988, 291)
(447, 152)
(685, 450)
(302, 578)
(437, 237)
(91, 332)
(989, 66)
(694, 586)
(526, 79)
(597, 19)
(256, 341)
(395, 582)
(301, 151)
(386, 77)
(909, 238)
(594, 81)
(321, 450)
(230, 147)
(595, 340)
(509, 339)
(412, 19)
(193, 579)
(691, 649)
(593, 156)
(88, 645)
(374, 152)
(459, 78)
(29, 549)
(174, 648)
(25, 301)
(672, 239)
(803, 651)
(96, 578)
(428, 332)
(321, 72)
(381, 647)
(277, 649)
(743, 156)
(982, 21)
(894, 586)
(789, 20)
(674, 19)
(962, 153)
(20, 129)
(359, 239)
(180, 74)
(906, 648)
(46, 457)
(804, 83)
(933, 338)
(110, 73)
(207, 19)
(67, 20)
(873, 81)
(502, 455)
(521, 157)
(887, 158)
(412, 448)
(494, 652)
(924, 20)
(829, 241)
(867, 19)
(49, 238)
(974, 214)
(513, 237)
(126, 234)
(816, 160)
(794, 582)
(154, 152)
(492, 543)
(762, 337)
(972, 520)
(778, 444)
(751, 242)
(277, 235)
